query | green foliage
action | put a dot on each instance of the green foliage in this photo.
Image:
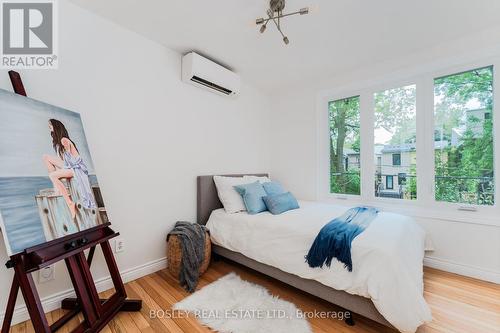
(412, 183)
(464, 172)
(461, 88)
(347, 183)
(395, 112)
(344, 134)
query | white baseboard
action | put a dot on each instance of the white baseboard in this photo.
(53, 302)
(461, 269)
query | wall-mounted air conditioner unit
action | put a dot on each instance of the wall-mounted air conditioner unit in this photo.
(206, 74)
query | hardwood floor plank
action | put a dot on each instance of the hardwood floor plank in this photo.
(155, 324)
(29, 327)
(165, 300)
(21, 328)
(126, 322)
(486, 301)
(459, 304)
(161, 284)
(150, 304)
(139, 321)
(106, 329)
(460, 281)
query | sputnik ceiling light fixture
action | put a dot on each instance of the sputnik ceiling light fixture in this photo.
(275, 14)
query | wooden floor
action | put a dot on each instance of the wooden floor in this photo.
(459, 304)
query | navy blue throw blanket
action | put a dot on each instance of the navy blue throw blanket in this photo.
(335, 238)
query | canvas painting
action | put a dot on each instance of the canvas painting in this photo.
(48, 185)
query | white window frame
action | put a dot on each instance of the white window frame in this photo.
(425, 205)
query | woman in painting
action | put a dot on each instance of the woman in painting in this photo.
(68, 164)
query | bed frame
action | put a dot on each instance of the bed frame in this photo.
(208, 201)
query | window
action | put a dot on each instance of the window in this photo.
(463, 142)
(389, 182)
(452, 139)
(395, 141)
(396, 159)
(345, 166)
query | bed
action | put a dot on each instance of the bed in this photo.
(386, 284)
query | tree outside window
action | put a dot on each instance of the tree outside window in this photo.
(463, 105)
(345, 166)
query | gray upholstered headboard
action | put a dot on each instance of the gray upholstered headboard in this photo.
(207, 198)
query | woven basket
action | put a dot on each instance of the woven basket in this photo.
(174, 255)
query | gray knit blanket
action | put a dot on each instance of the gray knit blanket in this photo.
(192, 239)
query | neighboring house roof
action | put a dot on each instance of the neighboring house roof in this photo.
(405, 147)
(408, 147)
(390, 149)
(378, 149)
(349, 151)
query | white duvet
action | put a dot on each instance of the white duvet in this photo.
(387, 256)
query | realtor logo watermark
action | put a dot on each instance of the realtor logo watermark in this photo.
(29, 39)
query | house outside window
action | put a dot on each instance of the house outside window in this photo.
(395, 147)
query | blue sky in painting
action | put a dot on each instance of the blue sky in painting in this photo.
(25, 137)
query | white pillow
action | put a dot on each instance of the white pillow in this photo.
(231, 200)
(253, 179)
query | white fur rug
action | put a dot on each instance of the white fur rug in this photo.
(231, 305)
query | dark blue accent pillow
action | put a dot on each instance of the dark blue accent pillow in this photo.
(280, 203)
(273, 188)
(252, 195)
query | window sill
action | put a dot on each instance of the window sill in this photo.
(449, 212)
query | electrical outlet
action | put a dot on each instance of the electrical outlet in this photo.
(119, 245)
(47, 274)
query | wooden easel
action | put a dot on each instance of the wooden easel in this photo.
(96, 312)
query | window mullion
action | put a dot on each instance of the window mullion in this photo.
(425, 140)
(367, 151)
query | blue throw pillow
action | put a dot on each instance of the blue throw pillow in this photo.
(273, 188)
(252, 195)
(280, 203)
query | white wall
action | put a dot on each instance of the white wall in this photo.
(460, 246)
(149, 133)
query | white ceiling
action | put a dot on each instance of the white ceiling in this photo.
(338, 36)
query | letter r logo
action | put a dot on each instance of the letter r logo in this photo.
(27, 27)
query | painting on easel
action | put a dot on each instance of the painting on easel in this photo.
(48, 186)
